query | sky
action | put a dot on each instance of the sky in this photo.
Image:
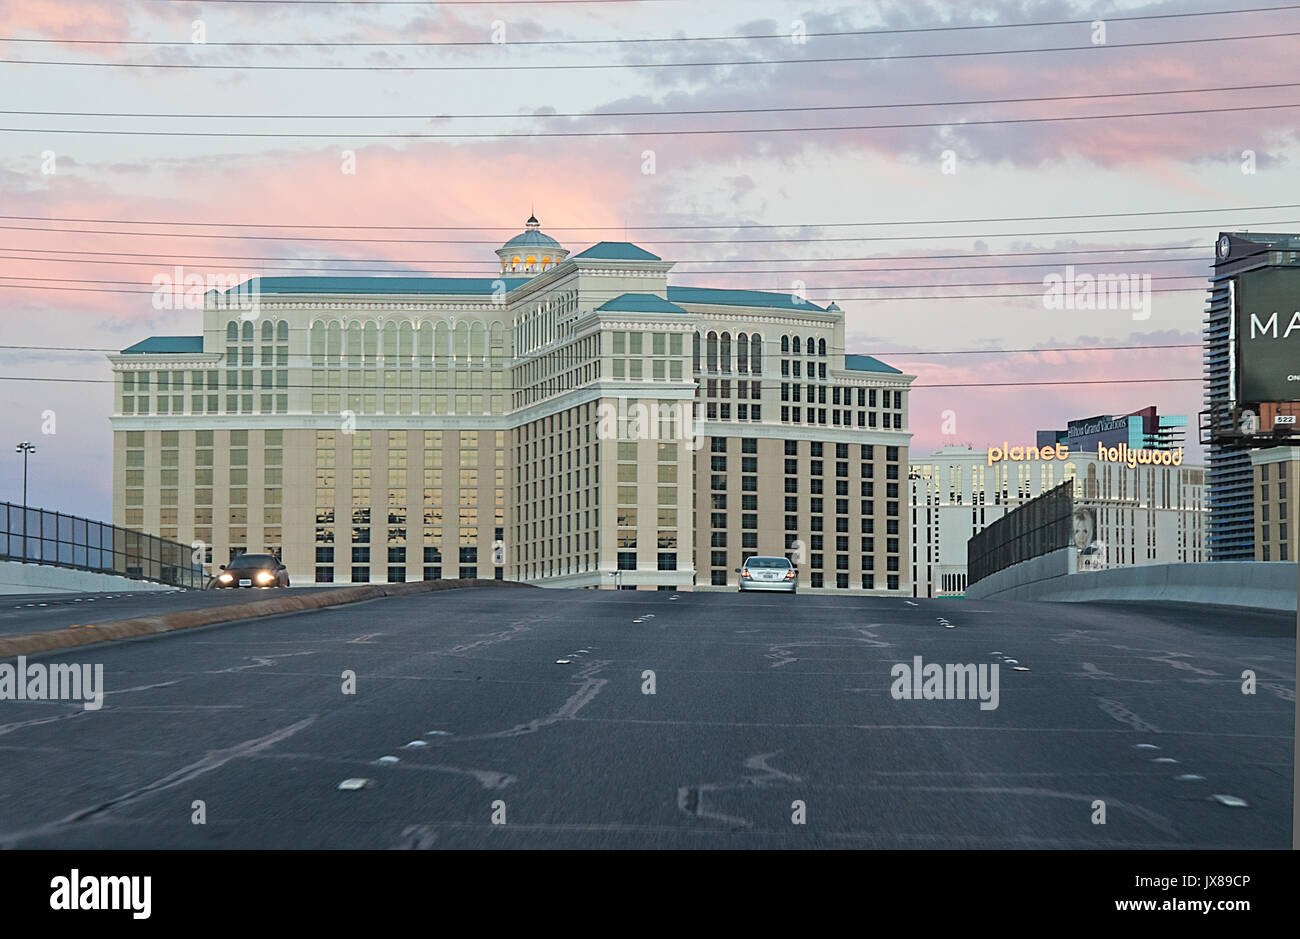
(942, 235)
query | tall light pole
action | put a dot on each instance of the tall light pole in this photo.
(25, 449)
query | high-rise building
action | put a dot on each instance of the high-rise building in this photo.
(1238, 418)
(575, 421)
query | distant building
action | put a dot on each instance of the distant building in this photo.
(1139, 430)
(1147, 514)
(1255, 273)
(1276, 480)
(576, 417)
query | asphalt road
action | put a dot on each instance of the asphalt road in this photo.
(29, 613)
(764, 707)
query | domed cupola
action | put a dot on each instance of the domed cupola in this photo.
(531, 251)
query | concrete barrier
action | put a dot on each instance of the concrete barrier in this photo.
(30, 643)
(1270, 585)
(19, 578)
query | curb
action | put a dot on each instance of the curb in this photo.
(29, 643)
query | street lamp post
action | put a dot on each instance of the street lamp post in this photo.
(26, 449)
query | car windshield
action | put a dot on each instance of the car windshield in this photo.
(768, 562)
(251, 561)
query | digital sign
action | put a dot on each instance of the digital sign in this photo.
(1268, 335)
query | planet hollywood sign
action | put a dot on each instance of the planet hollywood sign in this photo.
(1134, 458)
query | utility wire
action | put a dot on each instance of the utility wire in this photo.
(682, 227)
(168, 258)
(661, 113)
(414, 135)
(654, 241)
(592, 66)
(667, 39)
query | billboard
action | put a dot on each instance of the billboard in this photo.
(1087, 434)
(1268, 335)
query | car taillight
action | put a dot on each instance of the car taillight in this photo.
(744, 573)
(789, 575)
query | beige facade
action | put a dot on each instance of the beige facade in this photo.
(1277, 517)
(562, 428)
(1144, 514)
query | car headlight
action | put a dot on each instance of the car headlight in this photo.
(225, 578)
(265, 577)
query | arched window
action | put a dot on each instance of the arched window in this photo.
(812, 345)
(821, 346)
(232, 332)
(334, 344)
(318, 345)
(796, 345)
(695, 350)
(726, 352)
(370, 343)
(442, 342)
(424, 344)
(354, 345)
(405, 344)
(477, 341)
(390, 343)
(282, 331)
(785, 345)
(742, 353)
(756, 354)
(711, 352)
(268, 331)
(248, 332)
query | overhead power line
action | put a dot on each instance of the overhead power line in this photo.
(697, 132)
(892, 353)
(680, 227)
(485, 391)
(882, 32)
(977, 296)
(660, 113)
(172, 258)
(590, 66)
(819, 288)
(317, 272)
(654, 241)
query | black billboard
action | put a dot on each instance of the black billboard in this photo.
(1268, 335)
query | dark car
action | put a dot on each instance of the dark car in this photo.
(252, 570)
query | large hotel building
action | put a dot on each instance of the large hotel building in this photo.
(573, 422)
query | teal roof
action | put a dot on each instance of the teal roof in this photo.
(639, 303)
(723, 297)
(531, 239)
(867, 363)
(162, 345)
(617, 251)
(463, 286)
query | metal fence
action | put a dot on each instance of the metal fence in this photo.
(79, 543)
(1039, 526)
